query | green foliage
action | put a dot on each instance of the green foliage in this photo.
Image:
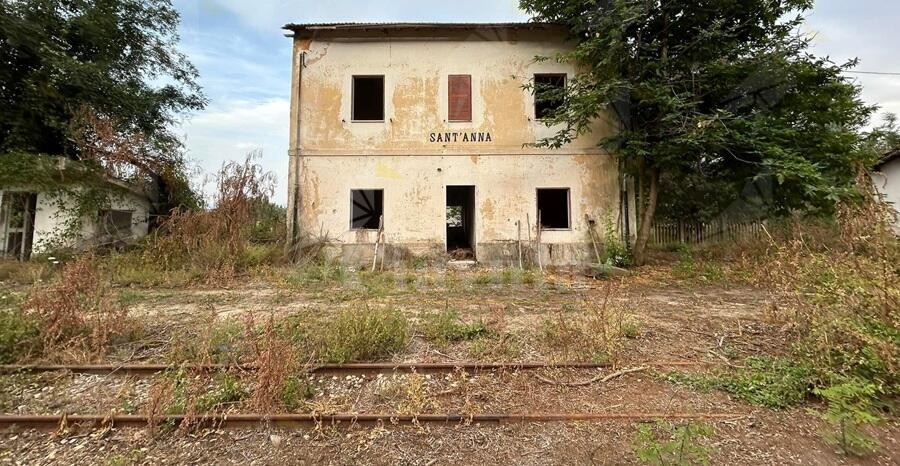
(19, 335)
(852, 404)
(503, 347)
(762, 381)
(615, 251)
(713, 98)
(364, 335)
(296, 389)
(445, 327)
(226, 389)
(61, 55)
(268, 222)
(665, 444)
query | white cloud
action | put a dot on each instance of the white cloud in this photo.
(268, 15)
(230, 130)
(864, 29)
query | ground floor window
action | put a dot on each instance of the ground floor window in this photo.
(367, 208)
(553, 208)
(116, 224)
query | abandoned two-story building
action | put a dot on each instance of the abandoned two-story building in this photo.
(421, 136)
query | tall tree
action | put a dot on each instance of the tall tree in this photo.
(723, 91)
(69, 66)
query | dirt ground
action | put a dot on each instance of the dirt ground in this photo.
(716, 322)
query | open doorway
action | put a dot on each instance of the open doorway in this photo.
(17, 212)
(461, 222)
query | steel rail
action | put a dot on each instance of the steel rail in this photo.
(138, 369)
(286, 420)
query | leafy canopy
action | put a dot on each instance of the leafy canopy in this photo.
(714, 96)
(117, 58)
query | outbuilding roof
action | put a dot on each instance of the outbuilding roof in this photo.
(889, 157)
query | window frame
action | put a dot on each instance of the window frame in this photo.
(565, 83)
(450, 98)
(537, 207)
(353, 118)
(127, 233)
(354, 228)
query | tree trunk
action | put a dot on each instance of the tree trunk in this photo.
(643, 233)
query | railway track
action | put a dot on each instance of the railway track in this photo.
(150, 369)
(51, 422)
(299, 420)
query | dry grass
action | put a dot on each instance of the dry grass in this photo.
(78, 315)
(213, 245)
(596, 334)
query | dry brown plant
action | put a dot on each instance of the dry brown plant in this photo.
(78, 314)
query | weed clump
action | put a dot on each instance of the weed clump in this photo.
(19, 336)
(77, 314)
(364, 335)
(775, 383)
(665, 444)
(445, 327)
(595, 336)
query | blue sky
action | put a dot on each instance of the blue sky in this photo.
(244, 60)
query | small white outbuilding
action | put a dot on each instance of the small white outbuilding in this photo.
(887, 182)
(37, 221)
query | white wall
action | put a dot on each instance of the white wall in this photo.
(54, 211)
(887, 182)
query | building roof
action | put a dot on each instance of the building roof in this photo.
(888, 158)
(307, 27)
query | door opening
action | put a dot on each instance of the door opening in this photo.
(461, 222)
(17, 213)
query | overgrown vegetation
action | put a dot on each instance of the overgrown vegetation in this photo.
(363, 335)
(665, 444)
(77, 314)
(445, 327)
(595, 334)
(763, 381)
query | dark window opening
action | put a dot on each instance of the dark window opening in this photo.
(368, 98)
(367, 209)
(553, 208)
(549, 94)
(459, 90)
(115, 224)
(17, 214)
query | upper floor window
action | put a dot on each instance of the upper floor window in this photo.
(459, 87)
(368, 98)
(548, 94)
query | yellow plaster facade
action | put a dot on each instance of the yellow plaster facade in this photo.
(409, 155)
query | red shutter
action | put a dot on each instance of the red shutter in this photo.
(460, 92)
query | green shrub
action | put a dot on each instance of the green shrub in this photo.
(445, 327)
(503, 348)
(19, 335)
(363, 335)
(615, 251)
(226, 389)
(666, 444)
(769, 382)
(296, 389)
(852, 404)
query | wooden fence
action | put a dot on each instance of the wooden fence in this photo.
(717, 231)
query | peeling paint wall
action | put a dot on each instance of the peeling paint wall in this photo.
(331, 154)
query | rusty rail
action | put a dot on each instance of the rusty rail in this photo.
(145, 369)
(288, 420)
